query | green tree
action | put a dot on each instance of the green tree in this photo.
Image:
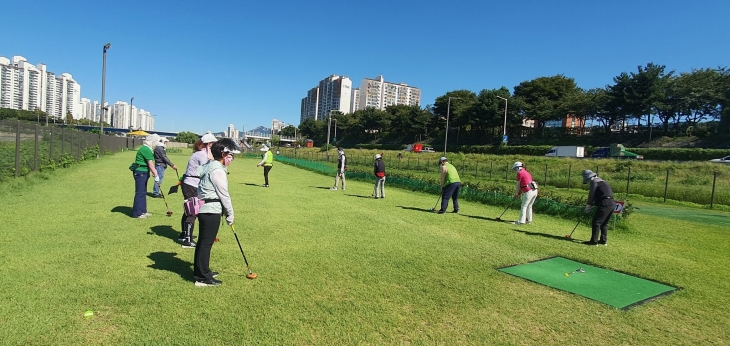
(187, 137)
(544, 98)
(315, 130)
(289, 131)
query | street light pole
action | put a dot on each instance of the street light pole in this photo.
(329, 124)
(504, 131)
(103, 90)
(448, 113)
(131, 107)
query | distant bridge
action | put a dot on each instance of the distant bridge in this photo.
(251, 136)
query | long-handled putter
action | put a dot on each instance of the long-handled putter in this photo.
(251, 275)
(173, 189)
(169, 212)
(499, 218)
(437, 203)
(570, 236)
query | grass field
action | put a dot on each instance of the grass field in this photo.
(335, 267)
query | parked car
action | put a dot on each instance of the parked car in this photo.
(428, 150)
(725, 159)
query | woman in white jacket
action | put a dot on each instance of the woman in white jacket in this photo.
(213, 190)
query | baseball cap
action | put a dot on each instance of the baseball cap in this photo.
(208, 138)
(442, 159)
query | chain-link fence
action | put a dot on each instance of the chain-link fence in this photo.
(697, 182)
(27, 147)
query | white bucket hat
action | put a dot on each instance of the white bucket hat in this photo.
(208, 138)
(517, 165)
(264, 148)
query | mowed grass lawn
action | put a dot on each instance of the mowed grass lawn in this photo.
(335, 267)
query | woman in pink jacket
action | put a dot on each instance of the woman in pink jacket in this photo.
(528, 189)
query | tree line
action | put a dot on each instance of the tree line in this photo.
(650, 96)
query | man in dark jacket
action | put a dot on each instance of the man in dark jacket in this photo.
(161, 163)
(379, 171)
(600, 194)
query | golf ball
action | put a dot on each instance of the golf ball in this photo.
(88, 313)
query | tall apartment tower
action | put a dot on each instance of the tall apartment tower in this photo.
(380, 94)
(355, 100)
(27, 87)
(333, 93)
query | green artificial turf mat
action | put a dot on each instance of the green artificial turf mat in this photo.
(606, 286)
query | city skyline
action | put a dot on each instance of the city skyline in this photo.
(201, 68)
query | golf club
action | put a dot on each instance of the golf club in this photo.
(173, 189)
(251, 275)
(437, 203)
(499, 218)
(579, 270)
(169, 212)
(570, 236)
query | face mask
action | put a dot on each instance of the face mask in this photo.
(227, 160)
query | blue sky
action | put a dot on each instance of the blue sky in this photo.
(200, 65)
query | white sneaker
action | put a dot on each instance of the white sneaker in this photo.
(147, 214)
(515, 223)
(143, 216)
(333, 189)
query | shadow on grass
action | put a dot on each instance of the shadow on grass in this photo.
(167, 261)
(483, 218)
(543, 235)
(359, 196)
(122, 210)
(321, 187)
(251, 184)
(416, 209)
(164, 231)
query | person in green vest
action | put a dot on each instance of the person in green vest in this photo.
(267, 162)
(450, 185)
(143, 166)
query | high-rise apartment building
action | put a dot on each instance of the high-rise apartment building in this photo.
(277, 125)
(332, 94)
(355, 100)
(28, 87)
(232, 133)
(125, 117)
(380, 94)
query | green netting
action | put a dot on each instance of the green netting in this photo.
(542, 205)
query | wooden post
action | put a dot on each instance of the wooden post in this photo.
(712, 198)
(666, 186)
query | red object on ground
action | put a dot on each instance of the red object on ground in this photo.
(216, 240)
(417, 147)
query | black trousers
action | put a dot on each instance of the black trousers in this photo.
(188, 191)
(601, 218)
(266, 174)
(450, 191)
(209, 225)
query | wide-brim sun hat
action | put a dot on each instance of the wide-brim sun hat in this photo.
(587, 175)
(208, 138)
(264, 148)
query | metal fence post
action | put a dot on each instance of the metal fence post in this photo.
(35, 164)
(17, 149)
(506, 172)
(545, 180)
(490, 169)
(712, 198)
(570, 169)
(666, 185)
(628, 182)
(63, 140)
(418, 163)
(476, 170)
(51, 151)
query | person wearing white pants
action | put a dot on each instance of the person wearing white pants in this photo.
(528, 189)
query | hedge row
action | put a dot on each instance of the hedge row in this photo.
(670, 154)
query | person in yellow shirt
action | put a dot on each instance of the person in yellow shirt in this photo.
(267, 162)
